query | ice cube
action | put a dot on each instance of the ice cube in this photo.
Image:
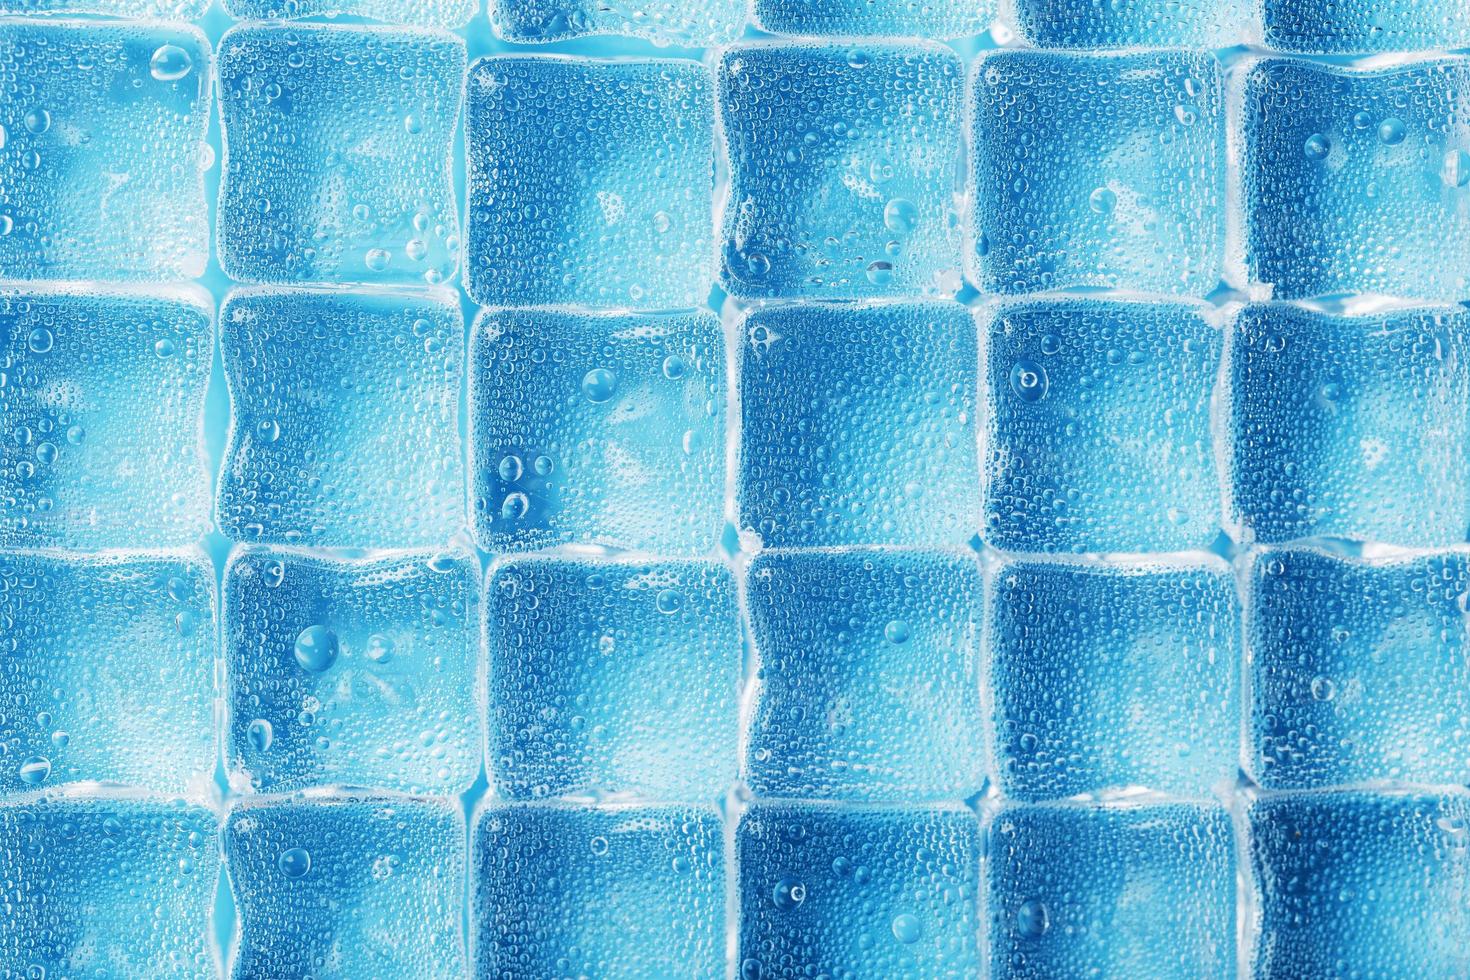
(604, 429)
(1136, 23)
(591, 183)
(691, 23)
(612, 676)
(868, 685)
(102, 411)
(426, 13)
(943, 19)
(337, 164)
(845, 167)
(1348, 26)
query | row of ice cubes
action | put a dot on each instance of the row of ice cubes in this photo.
(1056, 425)
(1334, 883)
(592, 183)
(878, 674)
(1304, 26)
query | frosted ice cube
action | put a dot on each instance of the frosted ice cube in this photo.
(1355, 179)
(613, 676)
(868, 685)
(1347, 26)
(345, 424)
(102, 412)
(885, 18)
(845, 166)
(337, 163)
(427, 13)
(1103, 170)
(613, 891)
(603, 429)
(1117, 890)
(107, 885)
(1352, 427)
(140, 9)
(1136, 23)
(1105, 675)
(692, 23)
(356, 671)
(361, 886)
(871, 891)
(1098, 434)
(590, 183)
(858, 425)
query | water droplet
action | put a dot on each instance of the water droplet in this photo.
(907, 928)
(41, 340)
(515, 506)
(294, 862)
(662, 222)
(260, 734)
(35, 769)
(379, 648)
(897, 631)
(669, 601)
(165, 349)
(267, 430)
(76, 435)
(880, 273)
(170, 63)
(788, 893)
(1102, 200)
(46, 452)
(274, 574)
(511, 469)
(1323, 689)
(413, 124)
(1029, 380)
(1456, 172)
(1033, 918)
(599, 846)
(858, 58)
(674, 367)
(316, 649)
(1316, 147)
(599, 384)
(378, 259)
(901, 216)
(1392, 131)
(757, 265)
(37, 121)
(543, 465)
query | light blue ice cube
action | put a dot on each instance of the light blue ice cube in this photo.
(612, 676)
(345, 424)
(102, 417)
(1356, 180)
(845, 167)
(941, 19)
(857, 891)
(102, 173)
(175, 10)
(591, 183)
(363, 886)
(617, 892)
(355, 671)
(1103, 170)
(1359, 668)
(604, 429)
(1351, 427)
(1360, 883)
(868, 683)
(1113, 890)
(107, 885)
(109, 670)
(858, 425)
(337, 162)
(1366, 26)
(1135, 23)
(1108, 675)
(1098, 434)
(691, 23)
(426, 13)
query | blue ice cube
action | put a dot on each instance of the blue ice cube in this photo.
(943, 19)
(1356, 180)
(617, 892)
(427, 13)
(845, 166)
(1113, 890)
(102, 417)
(692, 23)
(1098, 434)
(603, 429)
(1352, 883)
(1358, 668)
(612, 676)
(868, 685)
(357, 671)
(337, 163)
(102, 174)
(1106, 675)
(143, 9)
(361, 886)
(108, 885)
(590, 183)
(858, 425)
(345, 425)
(1097, 170)
(1135, 23)
(1352, 427)
(1363, 26)
(109, 670)
(857, 891)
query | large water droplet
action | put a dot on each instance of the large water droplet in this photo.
(261, 734)
(316, 649)
(1033, 918)
(294, 862)
(35, 770)
(788, 894)
(1392, 131)
(599, 384)
(907, 929)
(170, 63)
(1029, 380)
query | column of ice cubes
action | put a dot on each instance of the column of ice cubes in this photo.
(351, 602)
(107, 604)
(597, 475)
(1346, 441)
(1111, 634)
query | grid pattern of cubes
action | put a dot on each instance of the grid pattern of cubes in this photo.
(846, 488)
